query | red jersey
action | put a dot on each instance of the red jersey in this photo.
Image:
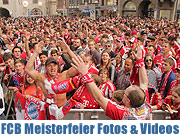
(122, 51)
(159, 59)
(119, 112)
(107, 89)
(176, 47)
(156, 99)
(176, 107)
(92, 69)
(87, 100)
(31, 90)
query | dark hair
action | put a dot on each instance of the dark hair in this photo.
(109, 62)
(103, 70)
(132, 49)
(135, 96)
(120, 56)
(43, 53)
(118, 95)
(7, 56)
(17, 47)
(148, 55)
(54, 51)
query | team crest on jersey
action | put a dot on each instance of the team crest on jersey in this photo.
(32, 109)
(63, 86)
(67, 105)
(55, 88)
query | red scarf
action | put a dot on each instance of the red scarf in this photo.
(162, 90)
(52, 81)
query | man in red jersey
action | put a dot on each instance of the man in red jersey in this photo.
(166, 48)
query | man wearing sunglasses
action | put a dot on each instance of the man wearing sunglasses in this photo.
(108, 47)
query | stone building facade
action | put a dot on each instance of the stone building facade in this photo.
(155, 8)
(17, 8)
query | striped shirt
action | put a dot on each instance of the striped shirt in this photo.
(107, 89)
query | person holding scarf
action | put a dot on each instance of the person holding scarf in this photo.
(16, 83)
(167, 77)
(172, 103)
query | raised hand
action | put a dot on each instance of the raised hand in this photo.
(27, 34)
(79, 65)
(139, 52)
(62, 45)
(37, 48)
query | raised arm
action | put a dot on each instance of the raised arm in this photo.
(72, 71)
(143, 79)
(65, 48)
(28, 53)
(92, 88)
(29, 66)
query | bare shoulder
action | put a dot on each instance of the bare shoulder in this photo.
(62, 76)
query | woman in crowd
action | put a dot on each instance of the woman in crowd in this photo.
(106, 86)
(153, 73)
(105, 62)
(32, 89)
(119, 62)
(172, 103)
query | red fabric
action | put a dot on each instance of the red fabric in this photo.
(23, 55)
(119, 112)
(88, 100)
(155, 100)
(32, 109)
(66, 85)
(92, 69)
(107, 89)
(1, 60)
(159, 59)
(176, 107)
(122, 51)
(21, 99)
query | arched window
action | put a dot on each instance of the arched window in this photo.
(129, 9)
(36, 11)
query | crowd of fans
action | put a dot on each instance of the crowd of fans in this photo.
(38, 49)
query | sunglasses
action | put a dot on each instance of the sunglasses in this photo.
(148, 60)
(107, 46)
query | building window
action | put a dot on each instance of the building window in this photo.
(5, 1)
(82, 1)
(129, 9)
(110, 2)
(35, 1)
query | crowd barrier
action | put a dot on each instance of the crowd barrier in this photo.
(81, 114)
(99, 114)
